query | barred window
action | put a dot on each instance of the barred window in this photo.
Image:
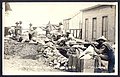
(105, 26)
(94, 28)
(86, 28)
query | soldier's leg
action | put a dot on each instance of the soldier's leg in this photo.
(111, 63)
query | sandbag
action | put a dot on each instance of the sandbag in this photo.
(88, 52)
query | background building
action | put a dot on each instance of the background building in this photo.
(99, 20)
(66, 24)
(93, 22)
(74, 24)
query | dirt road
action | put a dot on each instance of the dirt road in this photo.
(25, 66)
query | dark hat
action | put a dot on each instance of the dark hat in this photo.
(30, 24)
(16, 23)
(60, 23)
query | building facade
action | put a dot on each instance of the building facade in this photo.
(99, 21)
(66, 24)
(74, 24)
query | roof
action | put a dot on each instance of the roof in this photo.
(95, 6)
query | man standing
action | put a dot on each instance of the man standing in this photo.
(30, 31)
(105, 52)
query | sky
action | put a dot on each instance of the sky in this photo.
(40, 13)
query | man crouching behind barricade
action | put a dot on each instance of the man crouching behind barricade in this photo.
(62, 44)
(48, 47)
(49, 51)
(105, 52)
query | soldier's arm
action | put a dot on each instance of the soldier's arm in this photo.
(99, 51)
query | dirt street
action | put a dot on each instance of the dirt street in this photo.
(15, 66)
(21, 58)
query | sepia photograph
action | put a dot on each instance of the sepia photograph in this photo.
(60, 38)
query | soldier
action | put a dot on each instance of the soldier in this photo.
(11, 31)
(30, 31)
(16, 30)
(69, 36)
(105, 52)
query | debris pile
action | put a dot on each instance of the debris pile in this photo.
(52, 57)
(14, 48)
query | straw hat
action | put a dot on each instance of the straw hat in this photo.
(101, 38)
(68, 31)
(46, 39)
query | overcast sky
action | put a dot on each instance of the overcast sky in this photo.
(39, 13)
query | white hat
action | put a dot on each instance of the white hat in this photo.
(46, 39)
(12, 28)
(68, 31)
(101, 38)
(34, 38)
(59, 34)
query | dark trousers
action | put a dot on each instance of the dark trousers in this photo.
(63, 52)
(111, 64)
(30, 36)
(111, 61)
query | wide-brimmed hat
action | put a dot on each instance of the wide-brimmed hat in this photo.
(47, 39)
(60, 23)
(101, 38)
(68, 31)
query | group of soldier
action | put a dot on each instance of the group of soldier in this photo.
(57, 41)
(103, 49)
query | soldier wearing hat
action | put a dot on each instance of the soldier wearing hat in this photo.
(67, 34)
(30, 31)
(105, 52)
(60, 23)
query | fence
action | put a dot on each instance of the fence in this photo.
(77, 33)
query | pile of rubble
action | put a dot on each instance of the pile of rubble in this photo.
(53, 58)
(14, 48)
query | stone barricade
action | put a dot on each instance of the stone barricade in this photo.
(82, 65)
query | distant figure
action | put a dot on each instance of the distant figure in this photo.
(32, 34)
(11, 31)
(16, 30)
(30, 31)
(20, 22)
(47, 29)
(69, 36)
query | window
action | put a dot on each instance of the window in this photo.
(105, 26)
(94, 28)
(86, 28)
(76, 33)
